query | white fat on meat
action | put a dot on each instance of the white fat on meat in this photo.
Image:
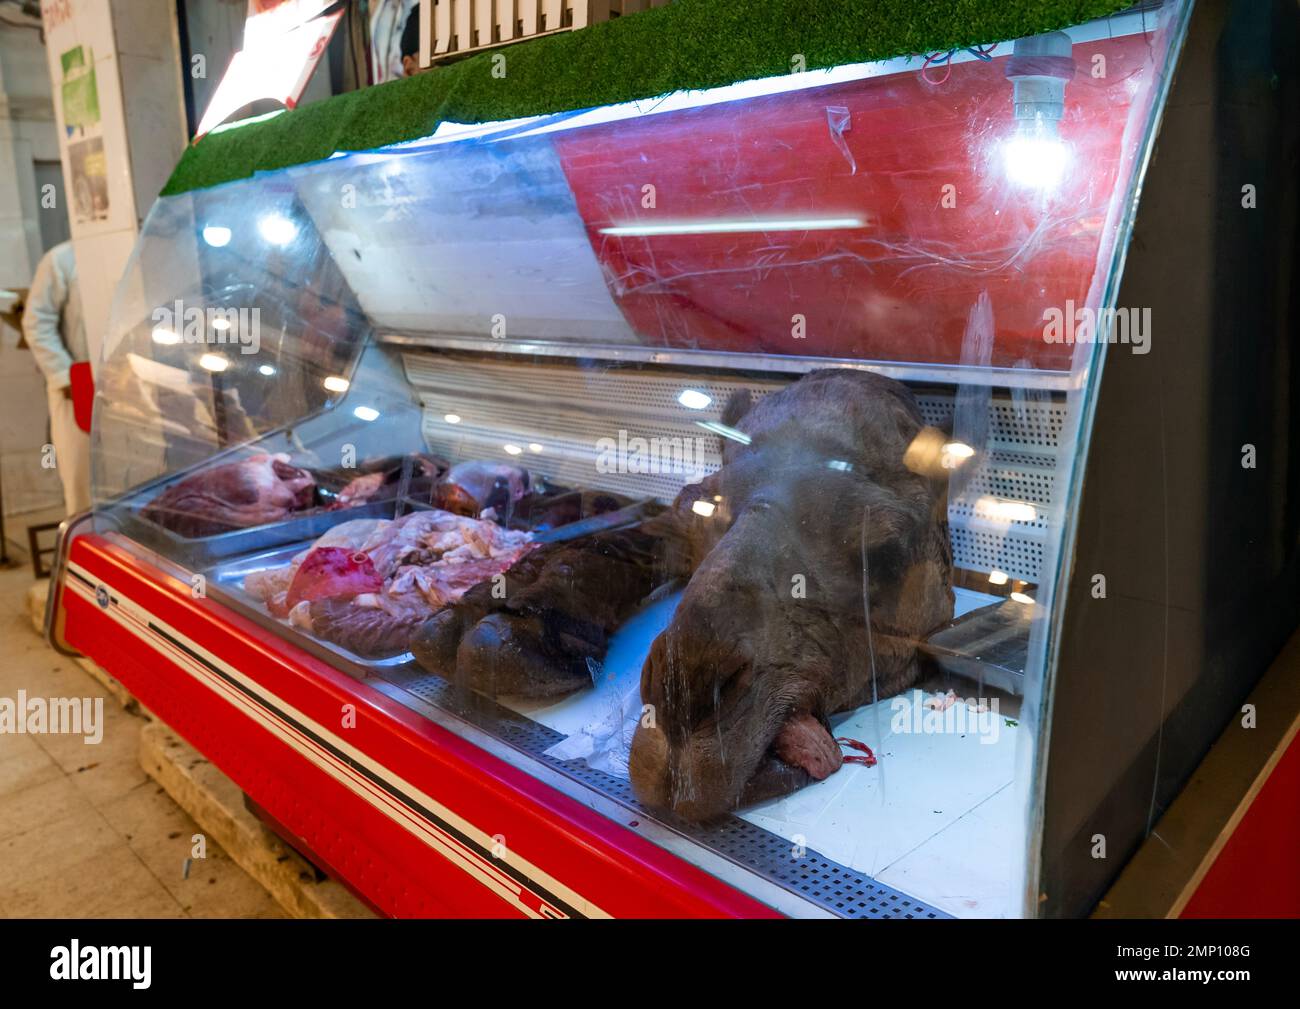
(428, 559)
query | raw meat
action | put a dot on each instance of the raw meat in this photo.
(384, 481)
(359, 491)
(331, 572)
(546, 629)
(470, 488)
(546, 632)
(274, 582)
(412, 567)
(236, 495)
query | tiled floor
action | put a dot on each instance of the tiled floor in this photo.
(84, 832)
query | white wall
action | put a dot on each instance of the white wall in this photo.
(27, 135)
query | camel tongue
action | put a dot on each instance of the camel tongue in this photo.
(804, 741)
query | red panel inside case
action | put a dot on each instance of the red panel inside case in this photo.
(901, 285)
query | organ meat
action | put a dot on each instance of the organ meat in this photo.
(331, 572)
(472, 487)
(367, 584)
(235, 495)
(543, 630)
(384, 482)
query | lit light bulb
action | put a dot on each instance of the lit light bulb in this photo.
(213, 362)
(954, 454)
(693, 399)
(1039, 69)
(366, 413)
(1035, 159)
(336, 383)
(276, 229)
(165, 337)
(216, 236)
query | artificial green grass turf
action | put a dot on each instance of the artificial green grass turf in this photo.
(690, 44)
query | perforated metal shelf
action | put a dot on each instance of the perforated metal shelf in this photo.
(834, 887)
(557, 414)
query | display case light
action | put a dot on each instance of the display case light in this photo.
(997, 577)
(1039, 68)
(277, 229)
(954, 453)
(534, 447)
(1006, 511)
(1035, 157)
(451, 418)
(512, 449)
(213, 362)
(366, 413)
(704, 508)
(693, 399)
(733, 227)
(216, 235)
(1020, 597)
(165, 337)
(336, 383)
(266, 370)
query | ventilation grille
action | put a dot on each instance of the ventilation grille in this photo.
(622, 429)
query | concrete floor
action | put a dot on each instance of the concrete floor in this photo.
(84, 832)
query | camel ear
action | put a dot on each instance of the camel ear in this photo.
(925, 455)
(738, 404)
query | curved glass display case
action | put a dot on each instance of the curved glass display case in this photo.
(714, 458)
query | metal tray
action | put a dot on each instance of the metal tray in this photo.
(989, 645)
(202, 552)
(269, 549)
(226, 584)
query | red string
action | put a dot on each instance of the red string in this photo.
(868, 761)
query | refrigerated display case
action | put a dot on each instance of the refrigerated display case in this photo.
(696, 507)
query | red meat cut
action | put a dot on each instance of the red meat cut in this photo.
(235, 495)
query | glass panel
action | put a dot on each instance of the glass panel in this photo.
(727, 441)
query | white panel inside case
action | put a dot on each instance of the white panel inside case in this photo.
(483, 241)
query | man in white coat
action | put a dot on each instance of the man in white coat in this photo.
(53, 326)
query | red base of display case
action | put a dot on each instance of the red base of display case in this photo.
(422, 823)
(417, 820)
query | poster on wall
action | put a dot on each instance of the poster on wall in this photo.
(82, 57)
(87, 166)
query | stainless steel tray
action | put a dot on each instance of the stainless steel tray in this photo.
(989, 645)
(200, 552)
(226, 584)
(226, 574)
